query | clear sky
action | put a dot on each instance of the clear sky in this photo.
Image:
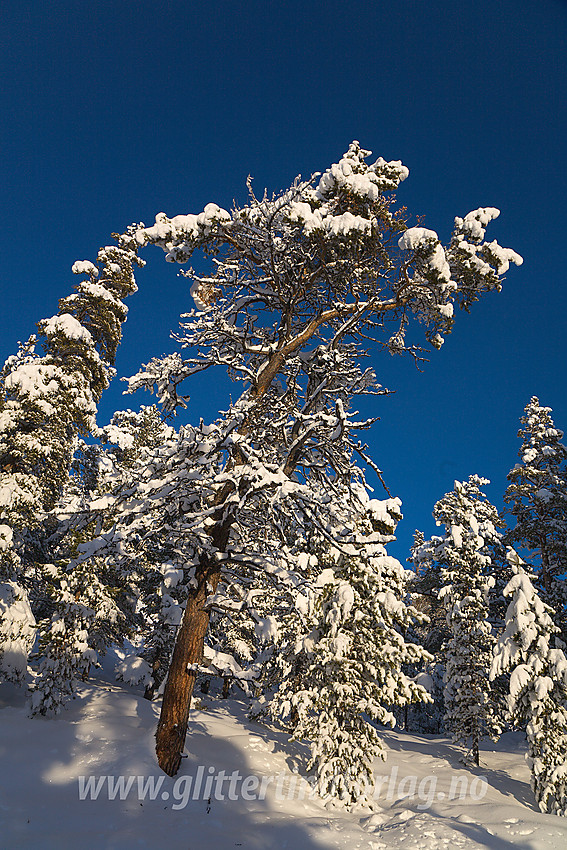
(112, 112)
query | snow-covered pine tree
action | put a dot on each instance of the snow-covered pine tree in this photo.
(538, 685)
(341, 669)
(48, 394)
(264, 571)
(300, 280)
(51, 387)
(462, 557)
(537, 498)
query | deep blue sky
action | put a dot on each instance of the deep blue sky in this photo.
(112, 112)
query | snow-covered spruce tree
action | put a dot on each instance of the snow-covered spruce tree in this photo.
(343, 673)
(435, 633)
(129, 439)
(98, 468)
(432, 632)
(17, 627)
(425, 592)
(48, 394)
(462, 557)
(298, 280)
(537, 498)
(94, 600)
(83, 604)
(85, 620)
(538, 686)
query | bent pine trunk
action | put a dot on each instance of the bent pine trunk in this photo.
(187, 654)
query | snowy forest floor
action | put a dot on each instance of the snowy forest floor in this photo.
(108, 731)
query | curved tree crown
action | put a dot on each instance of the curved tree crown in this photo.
(325, 262)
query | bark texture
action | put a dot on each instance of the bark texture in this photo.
(187, 654)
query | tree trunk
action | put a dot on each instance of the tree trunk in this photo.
(150, 689)
(476, 750)
(545, 571)
(188, 653)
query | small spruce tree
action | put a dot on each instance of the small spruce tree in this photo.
(538, 686)
(462, 556)
(345, 673)
(537, 498)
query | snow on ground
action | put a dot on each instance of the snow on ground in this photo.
(108, 730)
